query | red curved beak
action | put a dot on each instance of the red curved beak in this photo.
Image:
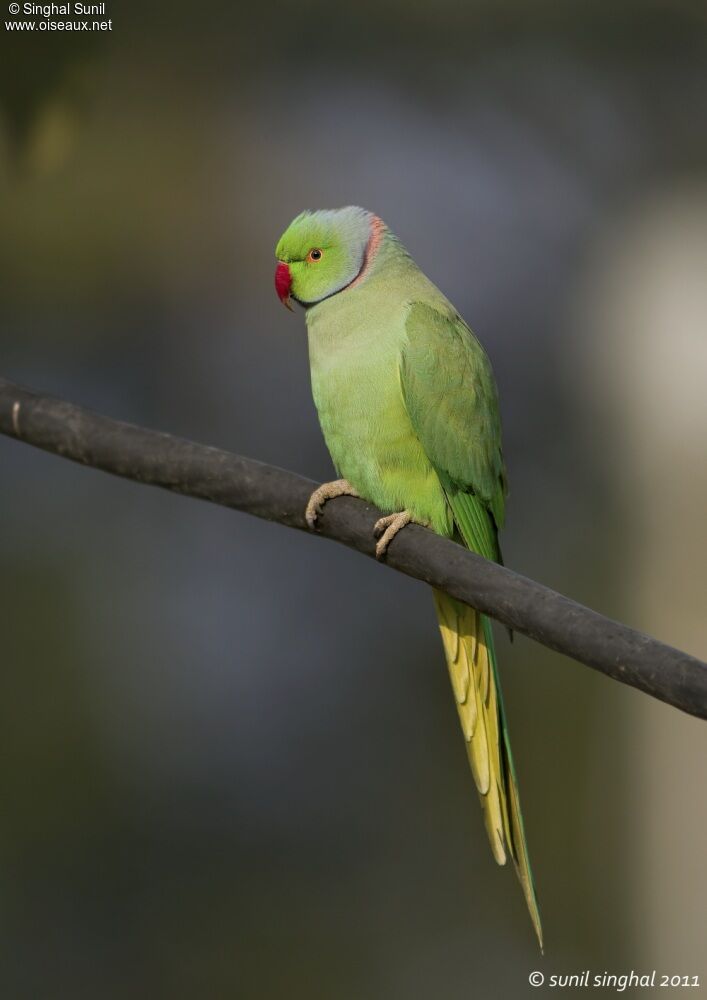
(283, 284)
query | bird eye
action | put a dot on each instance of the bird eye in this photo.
(314, 255)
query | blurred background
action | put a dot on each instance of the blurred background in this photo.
(230, 762)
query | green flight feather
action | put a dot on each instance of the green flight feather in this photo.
(450, 395)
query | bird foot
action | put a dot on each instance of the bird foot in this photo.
(386, 528)
(327, 491)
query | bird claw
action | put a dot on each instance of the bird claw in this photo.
(386, 528)
(327, 491)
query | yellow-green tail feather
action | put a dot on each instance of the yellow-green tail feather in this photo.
(471, 658)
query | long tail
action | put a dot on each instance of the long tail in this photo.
(471, 658)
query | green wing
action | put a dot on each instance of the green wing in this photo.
(450, 395)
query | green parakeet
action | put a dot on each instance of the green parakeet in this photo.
(408, 406)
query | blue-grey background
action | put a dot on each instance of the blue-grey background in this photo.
(230, 762)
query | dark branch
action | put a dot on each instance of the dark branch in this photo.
(243, 484)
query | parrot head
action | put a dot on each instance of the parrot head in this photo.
(322, 253)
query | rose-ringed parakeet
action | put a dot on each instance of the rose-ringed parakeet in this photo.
(407, 402)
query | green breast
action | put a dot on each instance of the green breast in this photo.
(355, 344)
